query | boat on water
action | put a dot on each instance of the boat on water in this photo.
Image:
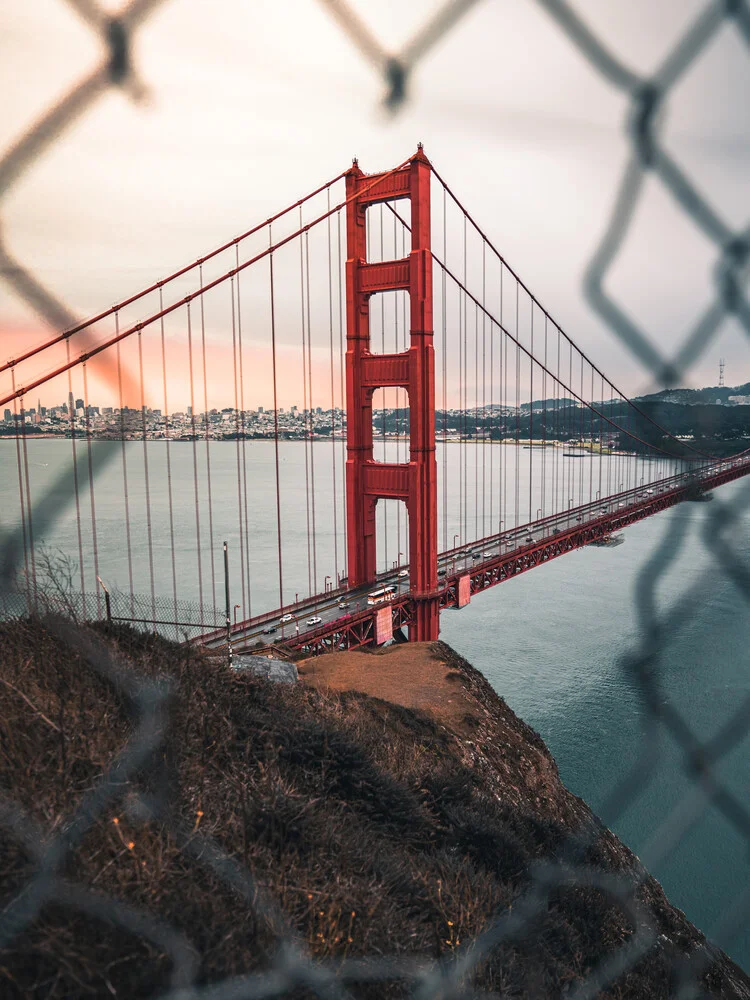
(609, 541)
(575, 454)
(700, 498)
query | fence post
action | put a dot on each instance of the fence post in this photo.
(228, 605)
(107, 605)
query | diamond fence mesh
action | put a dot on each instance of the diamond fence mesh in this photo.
(295, 969)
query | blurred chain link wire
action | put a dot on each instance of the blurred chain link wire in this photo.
(293, 966)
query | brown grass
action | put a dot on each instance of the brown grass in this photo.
(375, 829)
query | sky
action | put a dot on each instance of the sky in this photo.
(245, 107)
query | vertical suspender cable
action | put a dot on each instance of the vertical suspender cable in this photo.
(544, 423)
(531, 413)
(464, 435)
(398, 390)
(556, 452)
(125, 475)
(276, 425)
(504, 405)
(475, 533)
(207, 429)
(22, 503)
(29, 513)
(444, 298)
(492, 424)
(147, 485)
(333, 400)
(594, 419)
(518, 414)
(312, 417)
(306, 413)
(194, 445)
(94, 545)
(484, 398)
(169, 462)
(245, 613)
(342, 393)
(243, 431)
(72, 414)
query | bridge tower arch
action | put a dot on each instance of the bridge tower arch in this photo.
(367, 481)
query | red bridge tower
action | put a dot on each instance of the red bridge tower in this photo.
(367, 481)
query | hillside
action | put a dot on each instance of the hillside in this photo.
(694, 397)
(240, 811)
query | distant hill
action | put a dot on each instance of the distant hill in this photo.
(695, 397)
(549, 404)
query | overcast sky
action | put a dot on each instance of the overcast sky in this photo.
(252, 104)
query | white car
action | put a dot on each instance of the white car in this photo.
(404, 572)
(286, 618)
(314, 620)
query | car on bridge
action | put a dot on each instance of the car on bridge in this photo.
(286, 618)
(269, 630)
(315, 620)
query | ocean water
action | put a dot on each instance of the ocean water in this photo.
(558, 643)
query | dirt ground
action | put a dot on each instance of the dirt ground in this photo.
(413, 674)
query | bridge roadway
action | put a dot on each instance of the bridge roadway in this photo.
(346, 619)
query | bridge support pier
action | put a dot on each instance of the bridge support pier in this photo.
(367, 481)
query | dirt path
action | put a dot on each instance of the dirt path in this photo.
(414, 675)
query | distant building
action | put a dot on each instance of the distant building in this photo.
(8, 416)
(739, 400)
(79, 404)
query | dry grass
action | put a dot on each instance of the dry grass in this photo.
(375, 829)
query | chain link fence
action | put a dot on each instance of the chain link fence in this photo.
(295, 969)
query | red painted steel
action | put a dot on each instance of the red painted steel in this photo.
(383, 625)
(368, 481)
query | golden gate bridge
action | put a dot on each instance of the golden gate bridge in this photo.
(373, 288)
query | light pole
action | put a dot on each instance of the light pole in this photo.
(235, 615)
(570, 503)
(325, 583)
(538, 513)
(227, 602)
(597, 497)
(454, 541)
